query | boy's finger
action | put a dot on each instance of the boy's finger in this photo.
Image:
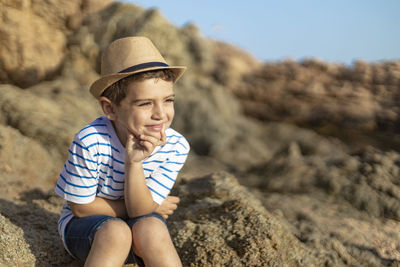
(149, 138)
(148, 146)
(129, 141)
(174, 199)
(163, 137)
(173, 207)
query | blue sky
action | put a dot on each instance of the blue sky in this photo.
(335, 30)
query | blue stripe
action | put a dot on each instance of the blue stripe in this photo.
(63, 218)
(101, 192)
(151, 178)
(174, 162)
(106, 165)
(168, 170)
(75, 185)
(118, 161)
(119, 172)
(77, 175)
(168, 177)
(156, 161)
(75, 195)
(109, 186)
(80, 166)
(110, 156)
(169, 151)
(181, 154)
(171, 143)
(75, 143)
(103, 144)
(111, 167)
(96, 133)
(152, 190)
(182, 145)
(92, 125)
(102, 154)
(149, 170)
(79, 156)
(109, 177)
(174, 135)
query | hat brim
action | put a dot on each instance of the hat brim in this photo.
(100, 85)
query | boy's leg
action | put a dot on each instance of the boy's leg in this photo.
(152, 242)
(111, 244)
(99, 238)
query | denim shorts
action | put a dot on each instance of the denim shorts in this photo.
(80, 232)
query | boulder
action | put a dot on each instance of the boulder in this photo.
(33, 37)
(219, 223)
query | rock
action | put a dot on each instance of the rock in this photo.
(221, 138)
(29, 234)
(231, 64)
(334, 99)
(220, 223)
(24, 163)
(341, 234)
(33, 37)
(14, 249)
(25, 58)
(40, 113)
(368, 182)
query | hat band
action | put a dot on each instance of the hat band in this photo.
(144, 66)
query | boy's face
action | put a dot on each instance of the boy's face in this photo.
(148, 109)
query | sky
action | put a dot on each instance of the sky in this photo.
(338, 31)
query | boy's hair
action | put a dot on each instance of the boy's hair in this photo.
(117, 91)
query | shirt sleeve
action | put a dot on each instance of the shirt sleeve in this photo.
(78, 179)
(161, 181)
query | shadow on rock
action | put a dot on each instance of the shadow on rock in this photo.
(31, 226)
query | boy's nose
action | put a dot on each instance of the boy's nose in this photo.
(158, 112)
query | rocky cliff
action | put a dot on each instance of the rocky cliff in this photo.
(274, 177)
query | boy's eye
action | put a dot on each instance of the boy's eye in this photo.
(143, 104)
(170, 100)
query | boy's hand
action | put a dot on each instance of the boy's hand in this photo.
(137, 149)
(168, 206)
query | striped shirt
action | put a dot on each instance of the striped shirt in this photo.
(95, 167)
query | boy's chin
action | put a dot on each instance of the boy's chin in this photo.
(156, 134)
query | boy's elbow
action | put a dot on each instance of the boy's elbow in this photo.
(77, 209)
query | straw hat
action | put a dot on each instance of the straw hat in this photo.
(128, 56)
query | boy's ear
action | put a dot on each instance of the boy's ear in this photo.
(108, 107)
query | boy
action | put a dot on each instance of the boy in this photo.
(122, 166)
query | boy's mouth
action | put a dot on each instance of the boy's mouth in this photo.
(155, 127)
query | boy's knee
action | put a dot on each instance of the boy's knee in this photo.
(150, 232)
(115, 232)
(151, 237)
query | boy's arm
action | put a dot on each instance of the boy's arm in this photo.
(99, 205)
(138, 199)
(117, 208)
